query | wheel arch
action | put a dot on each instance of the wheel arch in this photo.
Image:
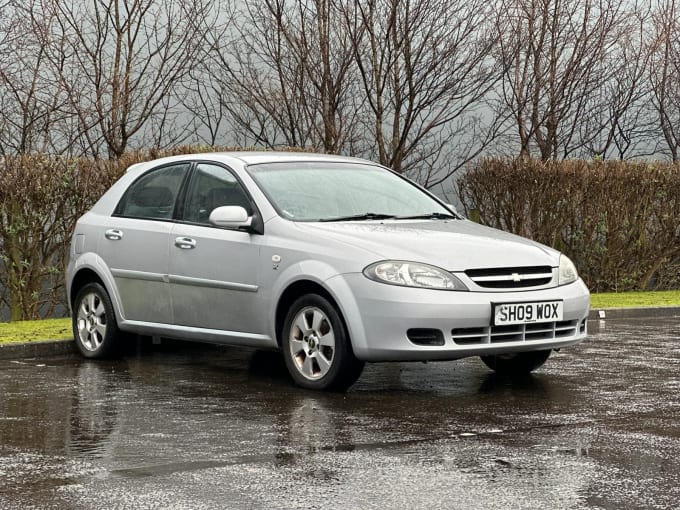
(297, 289)
(91, 268)
(292, 292)
(82, 278)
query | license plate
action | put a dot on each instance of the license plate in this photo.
(507, 314)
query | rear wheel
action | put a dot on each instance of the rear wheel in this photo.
(94, 322)
(316, 346)
(516, 363)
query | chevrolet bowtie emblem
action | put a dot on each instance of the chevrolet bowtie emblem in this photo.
(516, 277)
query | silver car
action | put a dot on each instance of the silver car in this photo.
(335, 261)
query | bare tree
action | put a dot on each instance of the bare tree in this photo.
(120, 61)
(30, 99)
(425, 71)
(205, 100)
(617, 121)
(402, 81)
(664, 74)
(287, 75)
(552, 52)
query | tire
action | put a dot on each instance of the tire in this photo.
(516, 363)
(316, 346)
(94, 323)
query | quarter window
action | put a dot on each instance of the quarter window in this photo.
(153, 195)
(212, 186)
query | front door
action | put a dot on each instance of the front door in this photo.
(214, 271)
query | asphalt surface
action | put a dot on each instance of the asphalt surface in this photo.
(194, 427)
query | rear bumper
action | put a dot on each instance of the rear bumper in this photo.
(379, 316)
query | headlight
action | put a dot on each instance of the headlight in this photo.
(413, 274)
(567, 272)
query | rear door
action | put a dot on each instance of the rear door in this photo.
(135, 244)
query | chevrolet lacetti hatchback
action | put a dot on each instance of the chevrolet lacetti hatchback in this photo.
(335, 261)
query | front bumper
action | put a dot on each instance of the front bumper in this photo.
(379, 316)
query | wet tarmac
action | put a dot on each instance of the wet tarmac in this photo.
(200, 428)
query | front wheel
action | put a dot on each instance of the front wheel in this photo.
(316, 347)
(94, 322)
(516, 363)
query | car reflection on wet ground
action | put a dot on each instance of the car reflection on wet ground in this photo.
(201, 427)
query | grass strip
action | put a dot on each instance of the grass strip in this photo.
(635, 299)
(35, 331)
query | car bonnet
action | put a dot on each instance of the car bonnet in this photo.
(454, 245)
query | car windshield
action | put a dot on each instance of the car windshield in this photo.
(322, 191)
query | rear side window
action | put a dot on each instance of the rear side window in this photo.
(153, 195)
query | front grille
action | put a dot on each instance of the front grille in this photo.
(518, 333)
(511, 277)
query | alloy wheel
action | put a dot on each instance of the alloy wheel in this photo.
(312, 343)
(91, 321)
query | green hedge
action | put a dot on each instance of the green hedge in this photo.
(618, 221)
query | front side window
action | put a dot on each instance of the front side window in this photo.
(330, 191)
(153, 195)
(212, 186)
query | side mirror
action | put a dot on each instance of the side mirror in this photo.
(230, 216)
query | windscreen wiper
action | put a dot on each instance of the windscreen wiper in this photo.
(361, 217)
(430, 216)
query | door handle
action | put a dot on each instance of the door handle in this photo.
(113, 234)
(185, 243)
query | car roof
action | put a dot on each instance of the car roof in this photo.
(253, 158)
(257, 157)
